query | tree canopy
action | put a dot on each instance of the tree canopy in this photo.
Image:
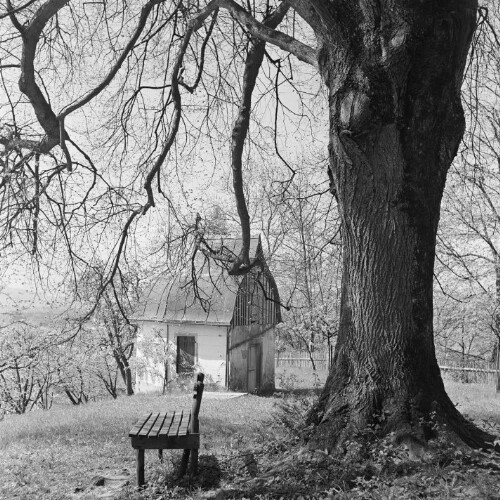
(96, 94)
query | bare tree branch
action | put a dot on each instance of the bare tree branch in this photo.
(118, 64)
(253, 63)
(12, 10)
(259, 30)
(27, 84)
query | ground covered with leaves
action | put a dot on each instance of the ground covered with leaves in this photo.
(252, 447)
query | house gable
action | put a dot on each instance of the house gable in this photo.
(211, 296)
(257, 301)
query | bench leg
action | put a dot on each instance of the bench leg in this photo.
(184, 462)
(160, 455)
(140, 467)
(194, 462)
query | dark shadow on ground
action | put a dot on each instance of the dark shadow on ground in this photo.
(208, 476)
(209, 472)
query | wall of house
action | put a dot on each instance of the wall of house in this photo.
(242, 337)
(268, 363)
(156, 343)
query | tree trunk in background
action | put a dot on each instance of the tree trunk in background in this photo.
(125, 371)
(394, 72)
(128, 380)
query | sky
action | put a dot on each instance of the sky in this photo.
(23, 298)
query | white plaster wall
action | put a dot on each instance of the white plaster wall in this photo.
(211, 352)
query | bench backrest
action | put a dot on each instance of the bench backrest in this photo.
(194, 426)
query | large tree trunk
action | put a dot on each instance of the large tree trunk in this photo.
(396, 122)
(496, 357)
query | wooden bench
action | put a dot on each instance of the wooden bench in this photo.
(178, 430)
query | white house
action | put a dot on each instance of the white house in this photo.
(222, 325)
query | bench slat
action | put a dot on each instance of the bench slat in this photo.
(184, 426)
(175, 423)
(157, 425)
(166, 425)
(147, 427)
(139, 425)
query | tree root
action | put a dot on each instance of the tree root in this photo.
(409, 425)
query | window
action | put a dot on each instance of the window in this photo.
(186, 354)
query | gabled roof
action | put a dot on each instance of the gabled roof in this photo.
(172, 299)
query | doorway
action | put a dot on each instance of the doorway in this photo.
(254, 367)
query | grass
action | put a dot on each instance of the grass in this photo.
(52, 454)
(55, 454)
(477, 401)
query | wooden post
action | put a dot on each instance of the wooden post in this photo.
(194, 462)
(184, 462)
(194, 427)
(140, 467)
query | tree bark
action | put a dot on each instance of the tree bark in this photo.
(130, 386)
(125, 371)
(394, 71)
(496, 359)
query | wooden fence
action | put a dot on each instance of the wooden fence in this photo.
(302, 359)
(479, 371)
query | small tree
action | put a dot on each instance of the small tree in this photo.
(156, 357)
(28, 371)
(109, 321)
(86, 368)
